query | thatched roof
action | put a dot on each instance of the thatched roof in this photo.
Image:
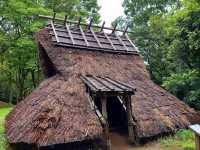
(59, 107)
(54, 113)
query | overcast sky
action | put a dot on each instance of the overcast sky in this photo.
(110, 10)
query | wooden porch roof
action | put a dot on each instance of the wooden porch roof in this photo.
(106, 85)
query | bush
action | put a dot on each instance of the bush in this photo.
(185, 86)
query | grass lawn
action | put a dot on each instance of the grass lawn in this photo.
(183, 140)
(3, 113)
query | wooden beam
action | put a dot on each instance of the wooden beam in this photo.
(102, 27)
(133, 45)
(121, 101)
(105, 115)
(90, 24)
(114, 29)
(56, 36)
(120, 40)
(96, 38)
(65, 20)
(104, 107)
(70, 34)
(111, 43)
(95, 108)
(54, 16)
(79, 22)
(126, 29)
(130, 119)
(83, 35)
(84, 24)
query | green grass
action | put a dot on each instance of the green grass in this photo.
(3, 113)
(183, 140)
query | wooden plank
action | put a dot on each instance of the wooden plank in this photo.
(126, 29)
(96, 37)
(102, 27)
(56, 36)
(98, 84)
(90, 24)
(133, 45)
(130, 119)
(84, 37)
(197, 142)
(121, 101)
(118, 84)
(126, 85)
(75, 38)
(95, 108)
(106, 50)
(88, 83)
(111, 43)
(104, 106)
(114, 29)
(79, 33)
(120, 40)
(195, 128)
(70, 34)
(106, 84)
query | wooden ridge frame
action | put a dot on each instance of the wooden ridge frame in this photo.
(103, 41)
(84, 24)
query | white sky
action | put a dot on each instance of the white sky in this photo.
(110, 10)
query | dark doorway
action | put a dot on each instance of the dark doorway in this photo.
(117, 117)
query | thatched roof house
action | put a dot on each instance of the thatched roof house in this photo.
(59, 110)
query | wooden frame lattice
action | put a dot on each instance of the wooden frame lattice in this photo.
(76, 36)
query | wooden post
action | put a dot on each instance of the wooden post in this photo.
(130, 119)
(105, 115)
(197, 141)
(196, 129)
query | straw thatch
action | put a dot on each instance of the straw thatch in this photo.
(58, 111)
(54, 113)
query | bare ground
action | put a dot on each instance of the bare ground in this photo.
(120, 142)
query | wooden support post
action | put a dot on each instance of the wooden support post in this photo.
(102, 27)
(197, 141)
(105, 115)
(196, 129)
(130, 119)
(90, 24)
(65, 20)
(114, 29)
(54, 16)
(126, 29)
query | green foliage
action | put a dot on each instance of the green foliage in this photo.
(19, 68)
(186, 86)
(183, 140)
(3, 114)
(168, 36)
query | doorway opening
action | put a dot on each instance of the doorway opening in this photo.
(111, 100)
(117, 116)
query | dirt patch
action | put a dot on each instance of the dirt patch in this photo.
(120, 142)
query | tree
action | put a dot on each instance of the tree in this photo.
(19, 68)
(168, 36)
